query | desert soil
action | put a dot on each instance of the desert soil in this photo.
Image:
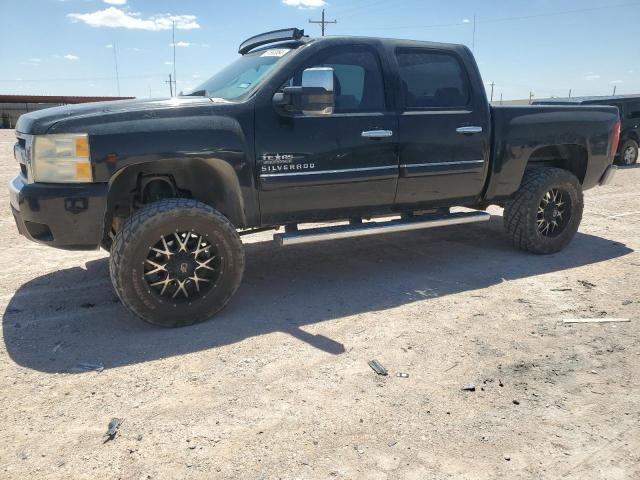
(278, 386)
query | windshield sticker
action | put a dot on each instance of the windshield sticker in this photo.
(276, 52)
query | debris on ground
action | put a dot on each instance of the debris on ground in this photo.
(516, 402)
(113, 427)
(377, 367)
(87, 367)
(627, 302)
(402, 375)
(452, 366)
(470, 387)
(562, 289)
(595, 320)
(586, 283)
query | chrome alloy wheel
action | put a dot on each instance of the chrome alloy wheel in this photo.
(182, 266)
(629, 155)
(554, 212)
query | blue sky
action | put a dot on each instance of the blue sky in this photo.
(65, 47)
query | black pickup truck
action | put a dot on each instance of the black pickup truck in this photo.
(629, 108)
(385, 135)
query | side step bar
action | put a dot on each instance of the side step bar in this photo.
(375, 228)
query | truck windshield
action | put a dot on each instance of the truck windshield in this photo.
(242, 76)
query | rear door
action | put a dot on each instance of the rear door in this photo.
(444, 129)
(338, 165)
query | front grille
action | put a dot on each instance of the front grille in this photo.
(23, 170)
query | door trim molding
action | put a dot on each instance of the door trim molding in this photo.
(320, 172)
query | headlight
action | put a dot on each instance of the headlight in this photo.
(61, 158)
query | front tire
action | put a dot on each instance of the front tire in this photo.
(545, 212)
(629, 152)
(176, 262)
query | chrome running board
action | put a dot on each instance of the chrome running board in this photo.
(375, 228)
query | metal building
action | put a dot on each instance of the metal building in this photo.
(12, 106)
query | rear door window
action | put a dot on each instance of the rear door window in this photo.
(432, 79)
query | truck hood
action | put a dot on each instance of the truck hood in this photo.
(41, 121)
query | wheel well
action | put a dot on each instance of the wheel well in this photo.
(137, 185)
(573, 158)
(630, 135)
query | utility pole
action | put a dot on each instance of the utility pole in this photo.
(569, 93)
(615, 87)
(530, 97)
(473, 42)
(173, 37)
(115, 58)
(170, 82)
(323, 22)
(501, 99)
(493, 84)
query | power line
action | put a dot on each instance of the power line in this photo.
(505, 19)
(323, 22)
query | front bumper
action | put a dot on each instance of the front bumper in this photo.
(63, 216)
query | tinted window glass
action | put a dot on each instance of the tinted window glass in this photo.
(633, 110)
(432, 80)
(357, 79)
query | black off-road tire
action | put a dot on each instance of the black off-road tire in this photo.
(632, 146)
(142, 231)
(521, 212)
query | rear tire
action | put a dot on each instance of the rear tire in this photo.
(629, 152)
(545, 212)
(176, 262)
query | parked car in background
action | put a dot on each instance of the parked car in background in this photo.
(629, 107)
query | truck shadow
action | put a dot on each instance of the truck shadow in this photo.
(72, 316)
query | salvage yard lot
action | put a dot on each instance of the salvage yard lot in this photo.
(278, 385)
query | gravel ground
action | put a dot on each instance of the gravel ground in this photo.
(278, 385)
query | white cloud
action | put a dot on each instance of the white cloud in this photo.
(115, 18)
(69, 56)
(168, 63)
(305, 3)
(195, 75)
(35, 60)
(591, 76)
(115, 2)
(615, 82)
(180, 44)
(466, 20)
(109, 46)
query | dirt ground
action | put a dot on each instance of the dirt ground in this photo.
(278, 385)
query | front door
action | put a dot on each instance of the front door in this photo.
(334, 166)
(444, 131)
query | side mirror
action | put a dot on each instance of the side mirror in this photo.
(315, 97)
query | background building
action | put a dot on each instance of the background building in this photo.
(12, 106)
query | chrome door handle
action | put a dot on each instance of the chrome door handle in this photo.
(469, 130)
(377, 133)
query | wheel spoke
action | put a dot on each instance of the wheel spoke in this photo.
(182, 244)
(181, 288)
(158, 267)
(165, 283)
(205, 264)
(198, 250)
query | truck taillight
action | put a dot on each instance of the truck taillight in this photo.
(616, 138)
